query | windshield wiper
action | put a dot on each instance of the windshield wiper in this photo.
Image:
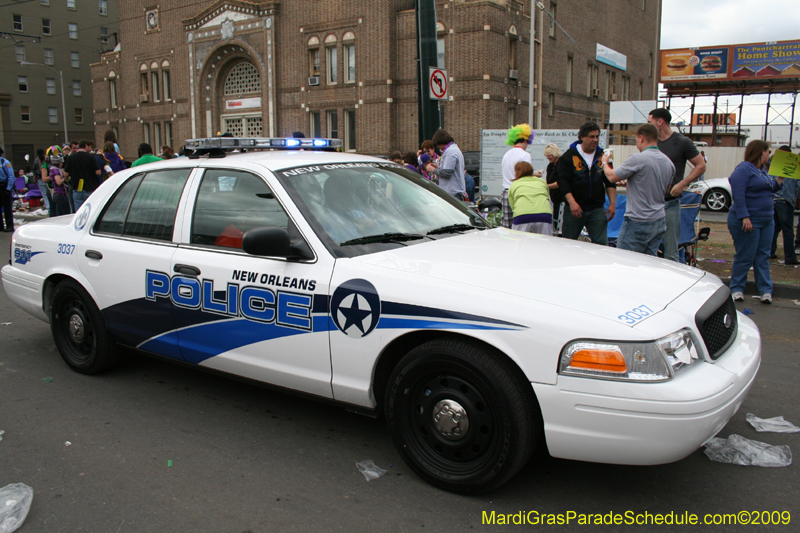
(454, 228)
(384, 237)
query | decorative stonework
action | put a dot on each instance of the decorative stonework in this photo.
(233, 10)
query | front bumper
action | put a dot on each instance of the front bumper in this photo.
(649, 423)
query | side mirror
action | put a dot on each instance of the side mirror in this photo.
(272, 241)
(490, 205)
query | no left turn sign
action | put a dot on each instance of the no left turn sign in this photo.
(438, 84)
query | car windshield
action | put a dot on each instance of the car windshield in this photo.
(367, 204)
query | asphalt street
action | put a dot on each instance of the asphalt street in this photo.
(155, 446)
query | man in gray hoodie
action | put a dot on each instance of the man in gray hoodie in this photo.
(450, 168)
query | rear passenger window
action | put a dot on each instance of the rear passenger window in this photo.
(231, 202)
(145, 206)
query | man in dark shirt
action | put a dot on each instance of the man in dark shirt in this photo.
(84, 173)
(679, 149)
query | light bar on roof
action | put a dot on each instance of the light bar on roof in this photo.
(281, 143)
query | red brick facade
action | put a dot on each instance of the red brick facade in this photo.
(198, 44)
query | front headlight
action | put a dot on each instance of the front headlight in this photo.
(646, 361)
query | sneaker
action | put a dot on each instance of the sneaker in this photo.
(738, 297)
(766, 298)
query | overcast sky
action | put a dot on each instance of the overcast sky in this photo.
(693, 23)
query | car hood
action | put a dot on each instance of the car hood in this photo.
(585, 277)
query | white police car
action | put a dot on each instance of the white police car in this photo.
(349, 278)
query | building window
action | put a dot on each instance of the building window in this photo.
(243, 79)
(19, 53)
(440, 32)
(168, 134)
(17, 22)
(350, 130)
(157, 137)
(650, 68)
(75, 59)
(25, 113)
(592, 74)
(155, 86)
(551, 105)
(112, 91)
(333, 125)
(104, 7)
(313, 56)
(45, 26)
(78, 115)
(71, 4)
(50, 83)
(570, 62)
(23, 83)
(165, 80)
(511, 118)
(76, 87)
(626, 88)
(315, 124)
(103, 35)
(331, 58)
(349, 63)
(48, 56)
(73, 30)
(512, 52)
(641, 90)
(553, 7)
(52, 114)
(146, 132)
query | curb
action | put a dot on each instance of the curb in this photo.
(790, 291)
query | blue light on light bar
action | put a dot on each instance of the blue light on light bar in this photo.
(320, 143)
(292, 142)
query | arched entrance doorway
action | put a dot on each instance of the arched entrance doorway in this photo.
(241, 101)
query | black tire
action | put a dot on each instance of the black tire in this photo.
(79, 330)
(503, 418)
(717, 200)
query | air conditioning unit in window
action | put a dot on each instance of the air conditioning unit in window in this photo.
(313, 80)
(143, 97)
(513, 74)
(595, 93)
(614, 97)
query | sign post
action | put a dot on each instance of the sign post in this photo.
(427, 106)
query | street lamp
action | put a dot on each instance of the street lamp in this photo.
(63, 105)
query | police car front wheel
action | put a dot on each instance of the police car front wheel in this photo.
(79, 330)
(464, 419)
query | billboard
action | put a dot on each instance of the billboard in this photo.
(768, 60)
(692, 64)
(731, 62)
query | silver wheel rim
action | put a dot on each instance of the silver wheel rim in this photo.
(450, 420)
(716, 201)
(76, 329)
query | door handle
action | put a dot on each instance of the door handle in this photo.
(91, 254)
(186, 269)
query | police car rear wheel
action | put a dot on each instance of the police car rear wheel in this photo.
(79, 330)
(464, 419)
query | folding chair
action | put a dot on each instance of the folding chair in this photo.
(690, 235)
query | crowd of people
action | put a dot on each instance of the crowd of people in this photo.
(67, 175)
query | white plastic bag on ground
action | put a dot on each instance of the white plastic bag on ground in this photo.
(15, 502)
(773, 425)
(370, 469)
(738, 450)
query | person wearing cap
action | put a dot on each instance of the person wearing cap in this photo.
(519, 137)
(6, 184)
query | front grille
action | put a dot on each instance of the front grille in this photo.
(718, 331)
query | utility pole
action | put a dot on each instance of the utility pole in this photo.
(427, 109)
(532, 54)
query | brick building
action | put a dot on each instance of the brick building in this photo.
(347, 69)
(45, 41)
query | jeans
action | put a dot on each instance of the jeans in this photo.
(784, 222)
(672, 210)
(752, 249)
(46, 196)
(642, 237)
(595, 221)
(78, 197)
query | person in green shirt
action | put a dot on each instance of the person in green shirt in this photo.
(145, 155)
(529, 198)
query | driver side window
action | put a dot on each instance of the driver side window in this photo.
(231, 202)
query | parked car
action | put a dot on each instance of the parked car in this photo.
(472, 163)
(716, 193)
(351, 279)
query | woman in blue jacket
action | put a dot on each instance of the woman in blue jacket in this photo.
(751, 221)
